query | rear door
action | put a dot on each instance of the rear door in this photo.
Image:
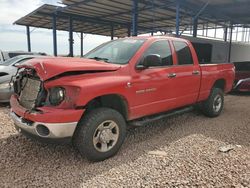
(151, 88)
(187, 80)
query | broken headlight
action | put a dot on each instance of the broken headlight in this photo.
(56, 95)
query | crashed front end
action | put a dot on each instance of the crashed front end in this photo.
(40, 109)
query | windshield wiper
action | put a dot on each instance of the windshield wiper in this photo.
(100, 59)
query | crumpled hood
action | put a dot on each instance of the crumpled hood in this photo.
(47, 68)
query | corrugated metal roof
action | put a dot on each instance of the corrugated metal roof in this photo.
(98, 16)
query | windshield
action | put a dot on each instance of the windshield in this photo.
(118, 51)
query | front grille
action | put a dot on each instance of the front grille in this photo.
(30, 89)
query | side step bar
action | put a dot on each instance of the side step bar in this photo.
(150, 119)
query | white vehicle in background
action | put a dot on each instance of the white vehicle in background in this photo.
(5, 55)
(7, 70)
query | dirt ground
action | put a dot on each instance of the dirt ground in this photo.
(181, 151)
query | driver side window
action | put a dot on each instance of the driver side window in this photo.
(162, 49)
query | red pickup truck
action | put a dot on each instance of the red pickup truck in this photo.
(130, 80)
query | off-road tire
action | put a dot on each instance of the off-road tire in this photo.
(207, 107)
(86, 128)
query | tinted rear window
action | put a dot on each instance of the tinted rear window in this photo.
(204, 52)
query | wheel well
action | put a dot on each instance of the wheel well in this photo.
(221, 83)
(113, 101)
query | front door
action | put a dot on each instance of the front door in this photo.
(152, 88)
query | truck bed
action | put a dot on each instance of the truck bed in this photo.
(211, 72)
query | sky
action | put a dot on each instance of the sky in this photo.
(13, 37)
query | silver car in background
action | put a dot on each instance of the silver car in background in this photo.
(7, 70)
(5, 55)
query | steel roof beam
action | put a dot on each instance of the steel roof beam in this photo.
(217, 13)
(145, 15)
(72, 5)
(139, 11)
(81, 18)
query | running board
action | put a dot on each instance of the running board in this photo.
(150, 119)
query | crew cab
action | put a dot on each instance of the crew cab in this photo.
(91, 100)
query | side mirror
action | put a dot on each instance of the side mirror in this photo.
(152, 60)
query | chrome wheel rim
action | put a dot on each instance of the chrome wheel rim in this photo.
(106, 136)
(217, 103)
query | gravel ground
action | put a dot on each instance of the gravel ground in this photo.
(180, 151)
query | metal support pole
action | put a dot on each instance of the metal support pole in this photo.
(215, 30)
(242, 34)
(112, 32)
(248, 36)
(129, 31)
(81, 44)
(195, 18)
(152, 33)
(71, 40)
(201, 10)
(195, 27)
(203, 30)
(177, 18)
(225, 34)
(230, 43)
(237, 32)
(135, 18)
(54, 35)
(28, 38)
(207, 30)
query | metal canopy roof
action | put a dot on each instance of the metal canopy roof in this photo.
(42, 18)
(99, 16)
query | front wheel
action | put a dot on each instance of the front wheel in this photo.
(100, 134)
(213, 106)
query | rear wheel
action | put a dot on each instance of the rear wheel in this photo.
(100, 134)
(213, 106)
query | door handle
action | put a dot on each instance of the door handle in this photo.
(172, 75)
(196, 72)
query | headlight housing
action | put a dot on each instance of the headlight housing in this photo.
(56, 95)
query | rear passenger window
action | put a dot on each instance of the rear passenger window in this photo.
(162, 49)
(183, 53)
